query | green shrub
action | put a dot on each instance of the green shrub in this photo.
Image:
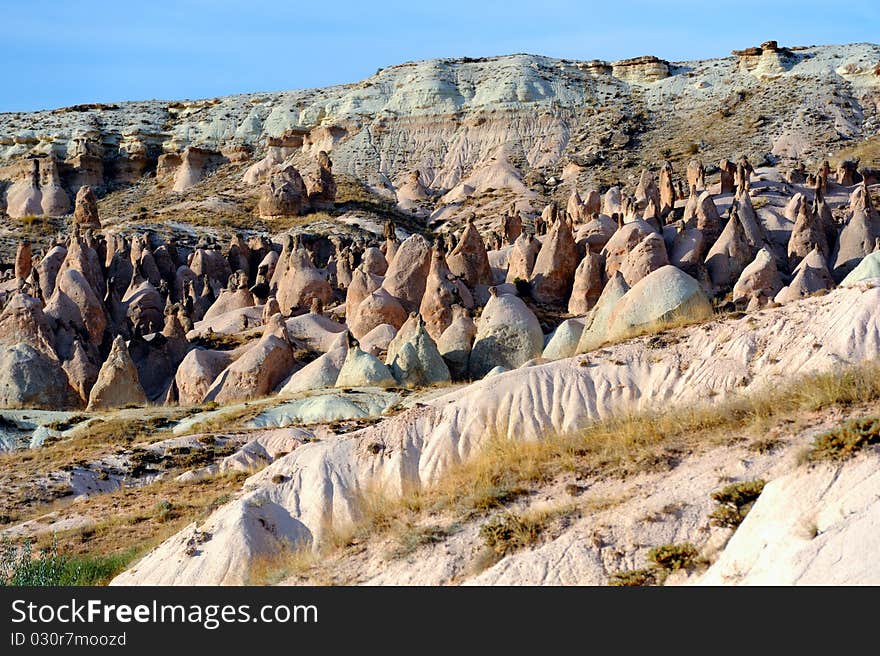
(846, 440)
(635, 578)
(164, 510)
(734, 502)
(672, 557)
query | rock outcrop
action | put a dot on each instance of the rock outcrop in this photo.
(117, 385)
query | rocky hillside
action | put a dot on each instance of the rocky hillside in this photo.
(509, 304)
(481, 133)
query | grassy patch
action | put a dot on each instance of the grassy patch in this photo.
(23, 472)
(846, 440)
(19, 566)
(224, 342)
(511, 532)
(734, 502)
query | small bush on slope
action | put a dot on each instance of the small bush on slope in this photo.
(846, 440)
(734, 502)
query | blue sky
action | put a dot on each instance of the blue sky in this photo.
(61, 52)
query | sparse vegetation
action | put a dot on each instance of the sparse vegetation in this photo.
(510, 532)
(664, 559)
(734, 502)
(19, 566)
(846, 440)
(635, 578)
(673, 557)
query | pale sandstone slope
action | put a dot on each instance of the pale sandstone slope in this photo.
(714, 361)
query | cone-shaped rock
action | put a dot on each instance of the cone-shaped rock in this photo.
(456, 342)
(85, 212)
(377, 308)
(408, 273)
(588, 283)
(730, 254)
(440, 295)
(468, 260)
(806, 235)
(810, 276)
(553, 273)
(522, 258)
(859, 233)
(117, 385)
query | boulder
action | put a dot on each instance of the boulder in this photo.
(198, 369)
(647, 256)
(31, 379)
(594, 234)
(611, 203)
(376, 341)
(320, 185)
(413, 356)
(74, 304)
(229, 300)
(23, 260)
(48, 267)
(441, 293)
(22, 320)
(730, 254)
(564, 340)
(665, 296)
(81, 372)
(807, 234)
(508, 334)
(320, 373)
(696, 175)
(707, 219)
(647, 194)
(259, 370)
(284, 194)
(667, 189)
(868, 268)
(302, 283)
(360, 369)
(522, 258)
(810, 276)
(373, 261)
(760, 278)
(859, 233)
(362, 285)
(621, 243)
(753, 228)
(377, 308)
